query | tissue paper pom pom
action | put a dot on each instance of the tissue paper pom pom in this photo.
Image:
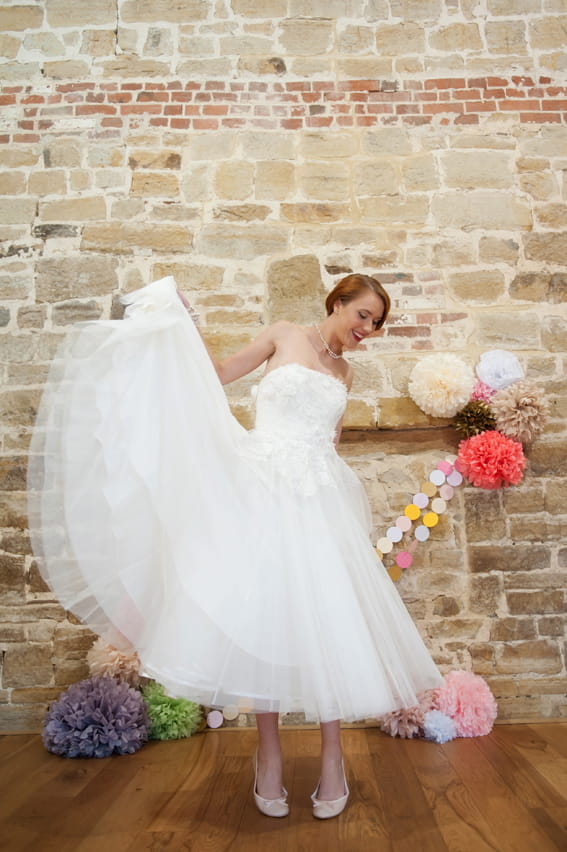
(521, 411)
(170, 718)
(474, 418)
(408, 721)
(498, 368)
(467, 699)
(96, 717)
(490, 460)
(441, 384)
(438, 727)
(105, 660)
(482, 391)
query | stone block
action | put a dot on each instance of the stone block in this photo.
(19, 407)
(252, 9)
(324, 181)
(32, 316)
(553, 216)
(506, 329)
(314, 213)
(395, 210)
(355, 39)
(555, 502)
(484, 519)
(20, 18)
(375, 177)
(477, 169)
(537, 528)
(68, 313)
(295, 289)
(485, 286)
(482, 210)
(12, 577)
(551, 625)
(66, 69)
(242, 212)
(362, 67)
(523, 500)
(359, 414)
(27, 664)
(546, 247)
(550, 141)
(64, 277)
(61, 13)
(169, 11)
(548, 32)
(144, 159)
(234, 179)
(445, 605)
(197, 69)
(400, 39)
(306, 37)
(482, 656)
(195, 183)
(554, 334)
(327, 146)
(9, 46)
(73, 209)
(506, 37)
(419, 173)
(327, 8)
(211, 146)
(539, 656)
(544, 579)
(244, 243)
(513, 629)
(126, 238)
(484, 558)
(395, 412)
(13, 183)
(155, 184)
(540, 185)
(16, 211)
(387, 140)
(274, 180)
(98, 42)
(460, 37)
(535, 602)
(48, 182)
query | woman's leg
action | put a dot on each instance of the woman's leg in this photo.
(269, 784)
(331, 785)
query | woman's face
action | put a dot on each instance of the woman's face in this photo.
(358, 318)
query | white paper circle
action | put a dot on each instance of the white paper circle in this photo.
(438, 506)
(421, 533)
(420, 499)
(230, 712)
(394, 534)
(455, 478)
(384, 545)
(437, 477)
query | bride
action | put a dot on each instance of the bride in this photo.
(238, 564)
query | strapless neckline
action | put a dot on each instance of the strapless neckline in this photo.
(296, 365)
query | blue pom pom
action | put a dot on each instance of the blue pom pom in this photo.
(438, 727)
(96, 718)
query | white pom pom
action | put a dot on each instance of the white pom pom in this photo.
(498, 368)
(441, 384)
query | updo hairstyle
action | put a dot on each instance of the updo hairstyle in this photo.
(354, 285)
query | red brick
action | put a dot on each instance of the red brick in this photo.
(515, 106)
(540, 117)
(467, 94)
(408, 331)
(417, 119)
(359, 86)
(523, 81)
(480, 106)
(407, 109)
(203, 97)
(174, 84)
(120, 97)
(559, 104)
(153, 96)
(29, 99)
(178, 123)
(173, 109)
(217, 85)
(194, 87)
(111, 122)
(140, 109)
(446, 83)
(155, 87)
(434, 109)
(132, 87)
(159, 122)
(365, 120)
(76, 87)
(25, 137)
(190, 109)
(182, 97)
(471, 118)
(494, 93)
(233, 122)
(205, 124)
(95, 109)
(215, 109)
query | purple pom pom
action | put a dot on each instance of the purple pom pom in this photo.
(96, 717)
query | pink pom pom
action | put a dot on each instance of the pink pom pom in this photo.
(468, 701)
(482, 391)
(490, 460)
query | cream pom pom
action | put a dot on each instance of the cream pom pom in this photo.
(498, 368)
(441, 384)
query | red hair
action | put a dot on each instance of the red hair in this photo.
(354, 285)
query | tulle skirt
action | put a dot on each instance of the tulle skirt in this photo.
(155, 523)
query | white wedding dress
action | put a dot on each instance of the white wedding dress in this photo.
(237, 563)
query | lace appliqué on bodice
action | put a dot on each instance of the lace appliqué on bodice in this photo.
(297, 411)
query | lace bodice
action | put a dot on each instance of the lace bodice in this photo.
(297, 411)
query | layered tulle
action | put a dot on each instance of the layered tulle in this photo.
(237, 563)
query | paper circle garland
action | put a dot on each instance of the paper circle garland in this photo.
(422, 533)
(412, 512)
(403, 523)
(214, 719)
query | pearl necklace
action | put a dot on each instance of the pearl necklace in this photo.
(326, 345)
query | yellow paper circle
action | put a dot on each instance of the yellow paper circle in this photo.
(412, 511)
(384, 545)
(430, 519)
(395, 572)
(438, 505)
(428, 488)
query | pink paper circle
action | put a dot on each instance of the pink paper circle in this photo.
(420, 500)
(214, 719)
(445, 466)
(446, 492)
(455, 478)
(403, 523)
(404, 559)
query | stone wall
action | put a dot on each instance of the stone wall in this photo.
(259, 151)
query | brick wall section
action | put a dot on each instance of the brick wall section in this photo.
(259, 151)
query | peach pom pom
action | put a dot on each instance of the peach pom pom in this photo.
(407, 722)
(468, 701)
(490, 460)
(107, 661)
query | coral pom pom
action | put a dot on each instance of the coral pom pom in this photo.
(468, 701)
(490, 460)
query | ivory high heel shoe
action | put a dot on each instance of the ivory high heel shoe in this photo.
(323, 809)
(271, 807)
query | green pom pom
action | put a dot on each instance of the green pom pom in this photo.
(171, 718)
(474, 418)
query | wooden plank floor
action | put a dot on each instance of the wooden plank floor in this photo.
(506, 792)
